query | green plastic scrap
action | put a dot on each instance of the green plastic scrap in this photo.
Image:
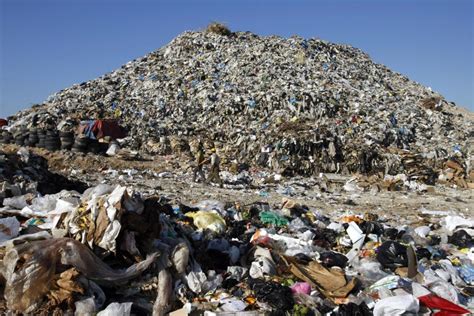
(273, 218)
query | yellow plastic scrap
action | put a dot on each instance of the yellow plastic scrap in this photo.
(208, 220)
(311, 217)
(456, 261)
(464, 251)
(82, 220)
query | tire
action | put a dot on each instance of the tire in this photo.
(66, 141)
(78, 150)
(51, 133)
(66, 134)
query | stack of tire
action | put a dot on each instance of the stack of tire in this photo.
(94, 146)
(32, 139)
(41, 138)
(80, 145)
(51, 141)
(21, 136)
(67, 139)
(6, 137)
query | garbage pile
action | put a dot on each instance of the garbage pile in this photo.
(291, 105)
(112, 251)
(26, 173)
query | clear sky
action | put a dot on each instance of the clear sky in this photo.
(48, 45)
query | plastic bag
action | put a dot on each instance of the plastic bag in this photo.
(466, 272)
(199, 283)
(396, 305)
(29, 269)
(208, 220)
(446, 307)
(263, 263)
(232, 305)
(113, 149)
(389, 282)
(196, 281)
(453, 222)
(273, 218)
(422, 231)
(276, 295)
(116, 309)
(85, 307)
(236, 272)
(461, 239)
(333, 259)
(370, 271)
(368, 227)
(352, 309)
(440, 287)
(392, 255)
(45, 203)
(301, 287)
(94, 192)
(16, 202)
(9, 228)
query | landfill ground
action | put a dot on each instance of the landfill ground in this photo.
(163, 176)
(203, 264)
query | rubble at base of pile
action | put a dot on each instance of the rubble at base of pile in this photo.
(23, 172)
(112, 251)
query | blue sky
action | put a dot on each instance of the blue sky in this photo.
(48, 45)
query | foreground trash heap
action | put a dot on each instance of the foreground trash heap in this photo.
(292, 105)
(111, 251)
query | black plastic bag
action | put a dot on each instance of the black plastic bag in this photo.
(392, 255)
(372, 228)
(423, 253)
(461, 239)
(324, 237)
(391, 233)
(353, 309)
(333, 259)
(276, 295)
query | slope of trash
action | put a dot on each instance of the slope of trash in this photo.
(292, 105)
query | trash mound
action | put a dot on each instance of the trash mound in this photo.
(112, 251)
(24, 172)
(292, 105)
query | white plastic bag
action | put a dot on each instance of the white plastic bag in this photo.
(9, 228)
(396, 305)
(116, 309)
